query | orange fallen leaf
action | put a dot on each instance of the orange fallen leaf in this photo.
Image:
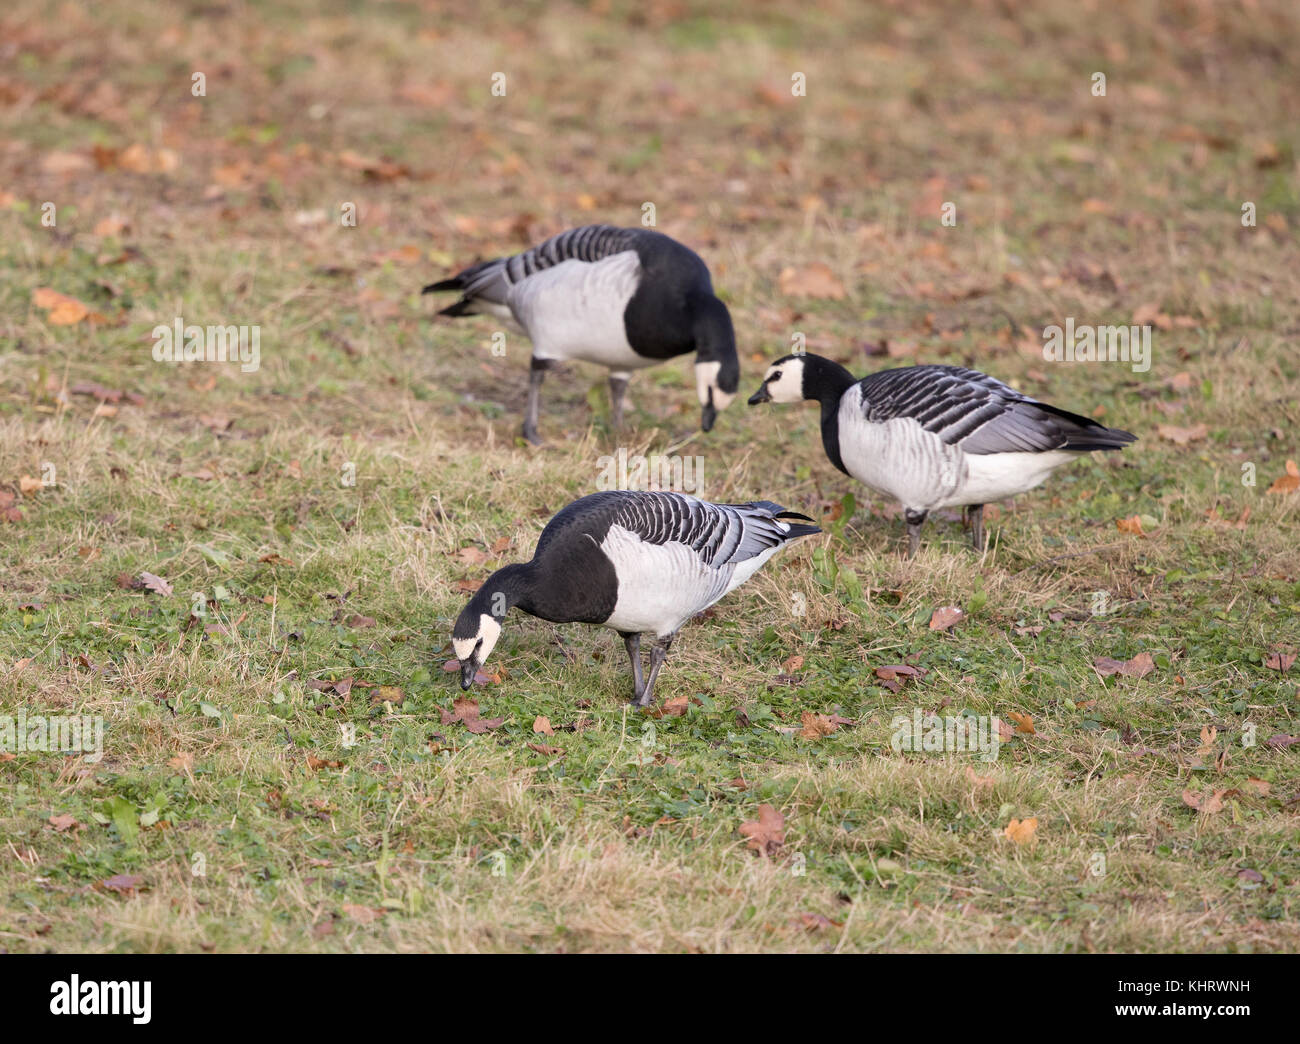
(1289, 482)
(766, 833)
(63, 310)
(543, 725)
(815, 726)
(1206, 804)
(1132, 525)
(140, 159)
(1182, 436)
(1138, 667)
(1021, 831)
(814, 280)
(946, 617)
(1024, 722)
(1279, 661)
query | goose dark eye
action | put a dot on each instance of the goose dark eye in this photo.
(776, 376)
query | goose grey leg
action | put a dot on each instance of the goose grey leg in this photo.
(975, 516)
(914, 520)
(536, 374)
(657, 655)
(632, 639)
(617, 388)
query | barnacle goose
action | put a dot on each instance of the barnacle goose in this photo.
(633, 561)
(625, 298)
(936, 436)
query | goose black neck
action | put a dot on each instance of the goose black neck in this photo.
(827, 381)
(715, 338)
(509, 586)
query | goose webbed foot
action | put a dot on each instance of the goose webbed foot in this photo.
(914, 520)
(657, 655)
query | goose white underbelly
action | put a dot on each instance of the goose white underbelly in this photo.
(661, 586)
(995, 476)
(901, 459)
(574, 311)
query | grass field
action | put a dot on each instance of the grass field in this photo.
(278, 769)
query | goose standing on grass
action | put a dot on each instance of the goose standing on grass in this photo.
(635, 562)
(624, 298)
(936, 436)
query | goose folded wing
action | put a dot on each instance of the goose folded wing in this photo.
(721, 534)
(979, 413)
(492, 280)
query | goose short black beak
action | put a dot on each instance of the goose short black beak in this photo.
(707, 416)
(468, 669)
(760, 396)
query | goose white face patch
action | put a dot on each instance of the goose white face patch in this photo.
(784, 381)
(706, 380)
(480, 646)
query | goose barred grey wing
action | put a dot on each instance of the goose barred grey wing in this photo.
(979, 413)
(492, 280)
(720, 534)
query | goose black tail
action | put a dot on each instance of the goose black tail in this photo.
(462, 307)
(1083, 434)
(454, 283)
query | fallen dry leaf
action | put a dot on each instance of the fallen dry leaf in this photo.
(1021, 831)
(156, 584)
(29, 486)
(62, 823)
(140, 159)
(814, 280)
(542, 724)
(123, 884)
(1279, 661)
(63, 310)
(1133, 525)
(946, 617)
(766, 833)
(465, 711)
(1289, 482)
(1182, 436)
(1024, 722)
(362, 914)
(1138, 667)
(1207, 804)
(815, 726)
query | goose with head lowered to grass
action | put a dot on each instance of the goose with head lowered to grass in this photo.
(632, 561)
(624, 298)
(936, 436)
